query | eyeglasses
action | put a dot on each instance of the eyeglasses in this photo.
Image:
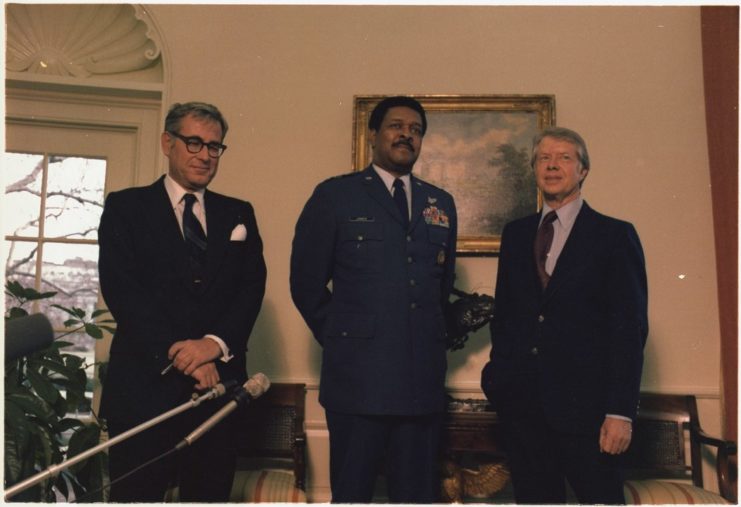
(195, 145)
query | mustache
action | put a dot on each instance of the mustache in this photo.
(404, 142)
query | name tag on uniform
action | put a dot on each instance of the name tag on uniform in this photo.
(362, 219)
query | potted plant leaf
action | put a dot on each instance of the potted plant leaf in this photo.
(44, 391)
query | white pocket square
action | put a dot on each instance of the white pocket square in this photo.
(239, 233)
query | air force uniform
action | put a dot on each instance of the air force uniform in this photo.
(381, 323)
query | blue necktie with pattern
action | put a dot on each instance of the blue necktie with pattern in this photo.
(195, 238)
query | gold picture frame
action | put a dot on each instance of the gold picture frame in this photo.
(477, 147)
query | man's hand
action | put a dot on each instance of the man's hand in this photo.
(615, 435)
(206, 376)
(188, 355)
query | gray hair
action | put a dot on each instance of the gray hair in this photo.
(562, 134)
(199, 110)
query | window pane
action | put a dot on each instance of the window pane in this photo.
(20, 266)
(23, 173)
(83, 346)
(74, 199)
(72, 271)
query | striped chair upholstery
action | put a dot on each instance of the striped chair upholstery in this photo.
(271, 449)
(257, 486)
(655, 492)
(261, 486)
(658, 467)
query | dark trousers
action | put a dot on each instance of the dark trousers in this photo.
(407, 447)
(541, 459)
(204, 471)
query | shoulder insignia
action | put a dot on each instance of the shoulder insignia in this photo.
(340, 176)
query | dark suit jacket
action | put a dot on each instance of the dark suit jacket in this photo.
(145, 280)
(381, 325)
(579, 344)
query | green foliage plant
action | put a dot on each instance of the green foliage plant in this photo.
(43, 390)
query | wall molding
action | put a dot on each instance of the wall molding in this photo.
(473, 390)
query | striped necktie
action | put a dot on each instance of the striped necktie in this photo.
(195, 238)
(543, 240)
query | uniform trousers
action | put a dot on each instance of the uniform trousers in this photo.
(405, 447)
(204, 472)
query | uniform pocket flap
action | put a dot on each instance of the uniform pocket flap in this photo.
(360, 231)
(438, 235)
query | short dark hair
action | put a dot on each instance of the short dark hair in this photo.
(200, 110)
(379, 112)
(562, 134)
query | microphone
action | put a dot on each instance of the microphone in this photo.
(251, 390)
(26, 335)
(54, 470)
(216, 391)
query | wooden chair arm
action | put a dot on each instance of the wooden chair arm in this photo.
(726, 471)
(299, 459)
(704, 438)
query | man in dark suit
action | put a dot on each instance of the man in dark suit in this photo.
(568, 336)
(386, 241)
(182, 271)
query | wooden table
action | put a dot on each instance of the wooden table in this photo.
(472, 426)
(471, 435)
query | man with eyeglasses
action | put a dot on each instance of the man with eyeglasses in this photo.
(182, 271)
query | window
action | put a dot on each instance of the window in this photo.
(65, 151)
(52, 208)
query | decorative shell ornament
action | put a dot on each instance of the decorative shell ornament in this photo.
(79, 40)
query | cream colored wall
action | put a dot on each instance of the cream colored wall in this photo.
(628, 78)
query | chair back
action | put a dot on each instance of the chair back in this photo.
(273, 428)
(662, 435)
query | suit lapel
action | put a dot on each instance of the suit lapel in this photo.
(165, 226)
(576, 250)
(377, 190)
(219, 225)
(527, 238)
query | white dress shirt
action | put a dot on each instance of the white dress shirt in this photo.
(176, 193)
(388, 180)
(566, 216)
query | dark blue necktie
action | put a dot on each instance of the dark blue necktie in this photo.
(543, 240)
(195, 238)
(400, 198)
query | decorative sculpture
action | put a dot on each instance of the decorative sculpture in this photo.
(484, 482)
(468, 313)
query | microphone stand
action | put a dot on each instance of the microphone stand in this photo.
(55, 469)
